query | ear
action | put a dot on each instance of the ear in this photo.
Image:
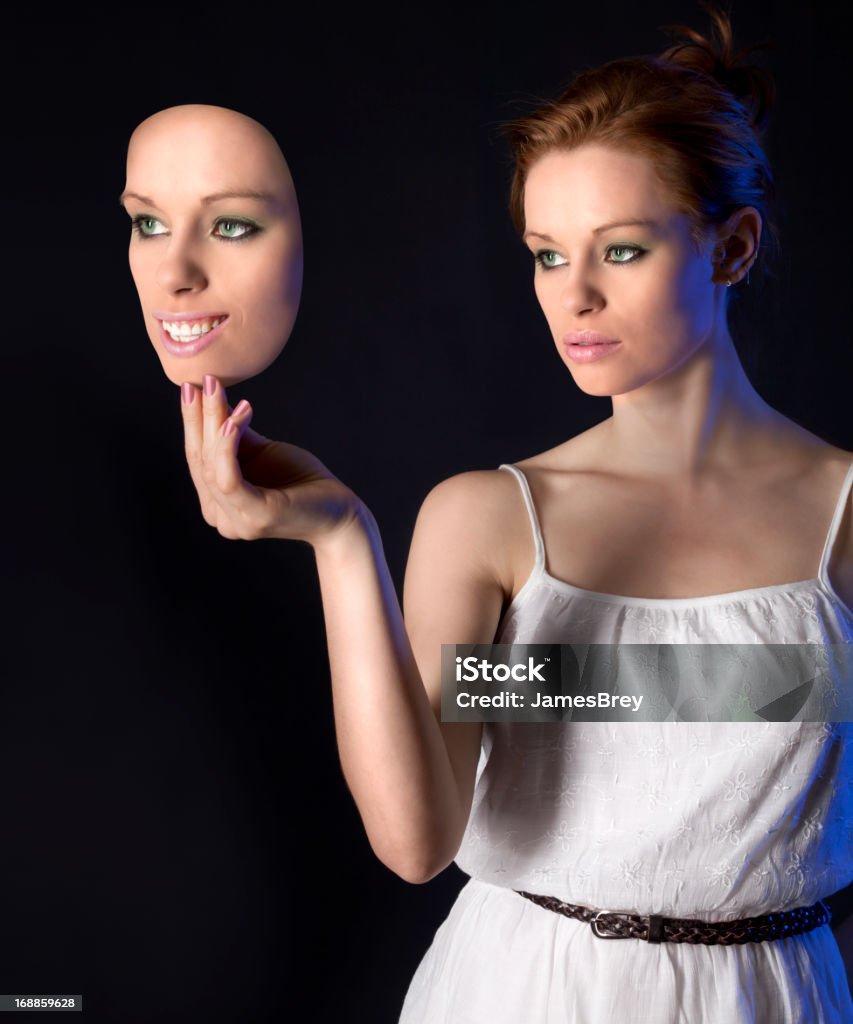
(737, 244)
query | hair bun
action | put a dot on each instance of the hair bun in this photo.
(750, 84)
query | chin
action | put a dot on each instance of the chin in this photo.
(604, 388)
(237, 360)
(178, 378)
(601, 392)
(193, 371)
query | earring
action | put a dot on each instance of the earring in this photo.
(728, 283)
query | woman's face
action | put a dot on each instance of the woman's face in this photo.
(216, 245)
(644, 286)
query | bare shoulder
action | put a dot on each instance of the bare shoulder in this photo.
(787, 441)
(474, 501)
(840, 457)
(472, 486)
(480, 512)
(823, 468)
(840, 565)
(837, 463)
(819, 469)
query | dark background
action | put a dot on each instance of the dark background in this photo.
(178, 841)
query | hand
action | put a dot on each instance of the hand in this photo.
(251, 487)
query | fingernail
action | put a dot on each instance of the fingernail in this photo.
(209, 384)
(230, 427)
(187, 392)
(242, 406)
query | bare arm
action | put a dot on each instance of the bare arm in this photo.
(412, 776)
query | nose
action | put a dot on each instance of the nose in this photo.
(579, 293)
(180, 269)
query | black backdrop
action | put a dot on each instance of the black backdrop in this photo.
(178, 841)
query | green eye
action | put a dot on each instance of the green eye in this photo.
(634, 253)
(234, 230)
(146, 226)
(548, 259)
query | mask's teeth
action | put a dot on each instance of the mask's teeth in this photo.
(187, 330)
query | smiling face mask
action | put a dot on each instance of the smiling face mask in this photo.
(216, 242)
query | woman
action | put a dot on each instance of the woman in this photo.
(683, 517)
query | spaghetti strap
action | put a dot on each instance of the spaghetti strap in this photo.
(539, 564)
(834, 525)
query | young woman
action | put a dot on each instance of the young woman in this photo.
(694, 513)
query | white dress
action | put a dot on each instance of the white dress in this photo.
(713, 820)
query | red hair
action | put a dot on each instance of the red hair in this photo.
(696, 111)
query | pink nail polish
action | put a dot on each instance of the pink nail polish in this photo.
(230, 427)
(209, 384)
(187, 392)
(242, 406)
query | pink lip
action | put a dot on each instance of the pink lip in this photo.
(590, 337)
(175, 317)
(588, 346)
(188, 348)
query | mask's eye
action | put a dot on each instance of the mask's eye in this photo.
(547, 259)
(146, 226)
(234, 230)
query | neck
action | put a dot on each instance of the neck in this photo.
(704, 416)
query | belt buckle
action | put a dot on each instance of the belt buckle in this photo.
(611, 913)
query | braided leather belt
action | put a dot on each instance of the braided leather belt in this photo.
(617, 924)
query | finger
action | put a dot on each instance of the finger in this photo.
(251, 444)
(230, 481)
(215, 410)
(241, 505)
(192, 415)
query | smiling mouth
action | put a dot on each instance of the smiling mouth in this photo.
(186, 331)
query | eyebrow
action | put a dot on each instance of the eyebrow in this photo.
(264, 197)
(604, 227)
